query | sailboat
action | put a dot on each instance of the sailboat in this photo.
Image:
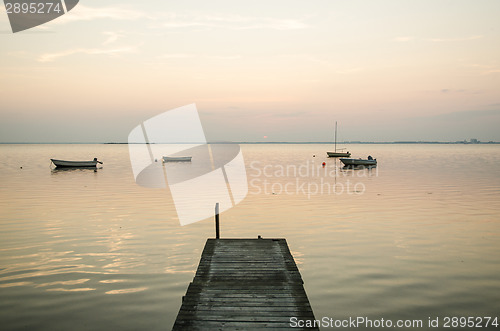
(338, 154)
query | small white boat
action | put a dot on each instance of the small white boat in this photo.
(359, 162)
(77, 164)
(337, 154)
(177, 158)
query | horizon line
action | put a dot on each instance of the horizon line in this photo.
(261, 142)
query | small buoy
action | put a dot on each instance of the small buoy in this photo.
(156, 160)
(20, 167)
(324, 164)
(314, 155)
(259, 237)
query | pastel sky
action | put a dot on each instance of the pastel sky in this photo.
(257, 70)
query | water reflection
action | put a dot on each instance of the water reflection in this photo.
(65, 282)
(359, 167)
(127, 290)
(391, 249)
(79, 289)
(57, 170)
(15, 284)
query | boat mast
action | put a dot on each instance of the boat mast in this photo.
(335, 136)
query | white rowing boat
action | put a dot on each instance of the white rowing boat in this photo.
(80, 164)
(177, 158)
(338, 154)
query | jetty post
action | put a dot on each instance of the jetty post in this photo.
(217, 229)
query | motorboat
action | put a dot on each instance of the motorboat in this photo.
(359, 162)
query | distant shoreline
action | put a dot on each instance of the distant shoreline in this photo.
(275, 143)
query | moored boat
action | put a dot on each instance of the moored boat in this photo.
(337, 154)
(75, 164)
(359, 162)
(177, 158)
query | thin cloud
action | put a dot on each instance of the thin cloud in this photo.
(349, 71)
(276, 25)
(225, 57)
(455, 39)
(186, 25)
(177, 21)
(463, 115)
(484, 69)
(50, 57)
(235, 22)
(176, 56)
(190, 56)
(492, 71)
(112, 37)
(457, 91)
(84, 13)
(296, 114)
(402, 39)
(319, 61)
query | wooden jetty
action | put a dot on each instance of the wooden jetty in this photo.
(245, 284)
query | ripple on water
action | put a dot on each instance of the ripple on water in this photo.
(84, 250)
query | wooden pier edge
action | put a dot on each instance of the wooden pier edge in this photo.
(245, 284)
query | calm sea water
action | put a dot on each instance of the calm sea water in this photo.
(417, 237)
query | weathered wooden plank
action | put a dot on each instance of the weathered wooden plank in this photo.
(243, 302)
(221, 292)
(230, 317)
(262, 287)
(243, 315)
(194, 307)
(244, 284)
(247, 301)
(209, 325)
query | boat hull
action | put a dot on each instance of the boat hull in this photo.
(338, 154)
(74, 164)
(177, 158)
(358, 162)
